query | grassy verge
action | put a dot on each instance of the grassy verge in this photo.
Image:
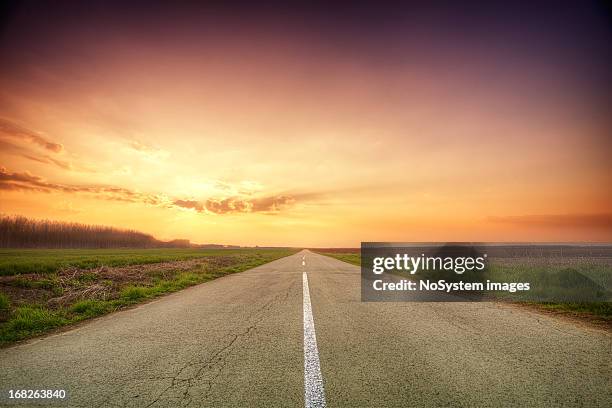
(347, 257)
(598, 311)
(21, 261)
(68, 287)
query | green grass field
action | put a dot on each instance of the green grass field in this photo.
(41, 290)
(349, 257)
(18, 261)
(600, 274)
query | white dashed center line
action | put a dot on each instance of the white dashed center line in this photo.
(314, 394)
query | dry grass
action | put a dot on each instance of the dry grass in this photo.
(33, 303)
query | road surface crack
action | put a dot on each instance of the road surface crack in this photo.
(213, 364)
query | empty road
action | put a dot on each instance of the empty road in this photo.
(294, 331)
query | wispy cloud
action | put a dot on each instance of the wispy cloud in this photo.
(147, 150)
(233, 205)
(8, 147)
(49, 160)
(189, 204)
(11, 129)
(268, 204)
(25, 181)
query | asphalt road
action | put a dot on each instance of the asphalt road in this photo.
(239, 341)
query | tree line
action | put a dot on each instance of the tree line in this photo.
(22, 232)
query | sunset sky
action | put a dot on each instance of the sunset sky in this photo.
(312, 126)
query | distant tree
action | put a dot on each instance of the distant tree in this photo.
(21, 232)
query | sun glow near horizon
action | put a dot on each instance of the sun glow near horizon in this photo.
(269, 135)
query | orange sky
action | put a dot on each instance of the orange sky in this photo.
(268, 139)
